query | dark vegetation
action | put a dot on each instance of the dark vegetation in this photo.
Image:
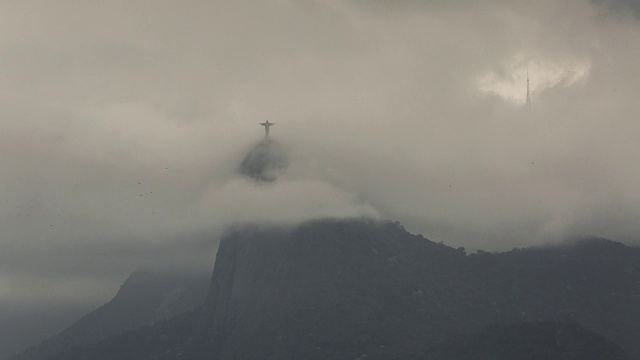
(359, 289)
(523, 341)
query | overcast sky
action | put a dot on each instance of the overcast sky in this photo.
(122, 124)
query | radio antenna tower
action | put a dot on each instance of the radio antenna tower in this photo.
(528, 93)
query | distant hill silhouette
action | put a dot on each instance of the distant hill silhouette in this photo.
(360, 289)
(22, 328)
(145, 298)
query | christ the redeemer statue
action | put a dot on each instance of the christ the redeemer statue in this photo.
(266, 125)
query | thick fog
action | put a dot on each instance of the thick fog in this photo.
(124, 123)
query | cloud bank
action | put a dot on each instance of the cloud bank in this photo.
(123, 125)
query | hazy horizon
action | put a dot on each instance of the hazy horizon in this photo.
(124, 123)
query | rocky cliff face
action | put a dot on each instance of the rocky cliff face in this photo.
(348, 289)
(324, 286)
(331, 289)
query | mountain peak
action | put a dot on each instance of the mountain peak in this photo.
(343, 289)
(264, 161)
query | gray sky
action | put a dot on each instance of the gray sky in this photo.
(122, 122)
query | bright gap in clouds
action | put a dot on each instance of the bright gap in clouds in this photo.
(509, 80)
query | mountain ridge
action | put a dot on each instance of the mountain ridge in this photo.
(145, 298)
(347, 288)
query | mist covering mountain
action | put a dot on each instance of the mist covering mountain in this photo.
(332, 289)
(361, 288)
(264, 161)
(20, 330)
(145, 298)
(123, 128)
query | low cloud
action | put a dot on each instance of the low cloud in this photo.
(123, 131)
